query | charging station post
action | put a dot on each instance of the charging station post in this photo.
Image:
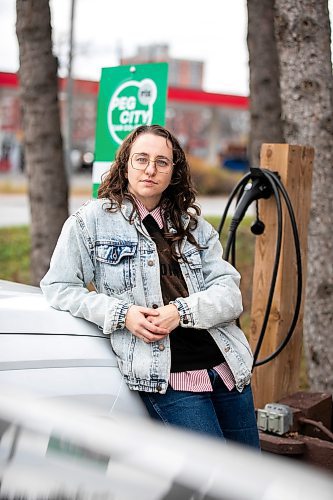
(280, 377)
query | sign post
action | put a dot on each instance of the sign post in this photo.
(129, 96)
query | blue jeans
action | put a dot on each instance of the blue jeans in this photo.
(226, 414)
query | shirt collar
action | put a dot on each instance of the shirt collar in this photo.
(156, 213)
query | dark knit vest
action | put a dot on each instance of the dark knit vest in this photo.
(191, 349)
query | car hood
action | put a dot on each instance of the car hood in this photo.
(23, 309)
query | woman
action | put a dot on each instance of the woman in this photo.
(163, 292)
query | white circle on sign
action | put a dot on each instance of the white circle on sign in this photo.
(145, 116)
(113, 105)
(147, 92)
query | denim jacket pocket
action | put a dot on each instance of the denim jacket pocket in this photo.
(117, 265)
(193, 260)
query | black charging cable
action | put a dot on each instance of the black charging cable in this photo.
(257, 184)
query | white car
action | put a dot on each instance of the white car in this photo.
(70, 427)
(49, 449)
(55, 355)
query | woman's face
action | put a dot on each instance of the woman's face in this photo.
(148, 184)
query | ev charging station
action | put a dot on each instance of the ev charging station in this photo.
(292, 422)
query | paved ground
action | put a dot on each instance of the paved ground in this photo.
(14, 208)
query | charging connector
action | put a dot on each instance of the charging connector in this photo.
(258, 187)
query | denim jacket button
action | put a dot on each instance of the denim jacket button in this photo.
(159, 388)
(150, 262)
(161, 347)
(227, 349)
(155, 306)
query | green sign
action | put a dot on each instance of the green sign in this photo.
(129, 96)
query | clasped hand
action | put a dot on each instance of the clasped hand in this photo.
(150, 324)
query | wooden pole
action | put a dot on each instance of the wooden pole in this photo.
(280, 377)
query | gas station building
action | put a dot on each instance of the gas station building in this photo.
(209, 125)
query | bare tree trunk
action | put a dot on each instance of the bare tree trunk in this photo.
(265, 103)
(303, 40)
(48, 192)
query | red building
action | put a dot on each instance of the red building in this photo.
(206, 123)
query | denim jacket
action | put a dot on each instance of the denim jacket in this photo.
(121, 260)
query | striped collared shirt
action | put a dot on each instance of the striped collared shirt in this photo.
(194, 380)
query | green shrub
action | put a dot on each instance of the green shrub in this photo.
(211, 180)
(245, 243)
(15, 254)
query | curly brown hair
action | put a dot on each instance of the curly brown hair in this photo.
(177, 199)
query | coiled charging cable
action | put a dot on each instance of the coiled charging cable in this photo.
(262, 183)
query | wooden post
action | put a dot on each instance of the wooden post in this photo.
(280, 377)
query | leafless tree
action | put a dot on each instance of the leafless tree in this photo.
(265, 102)
(48, 191)
(303, 41)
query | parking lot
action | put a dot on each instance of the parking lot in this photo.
(14, 206)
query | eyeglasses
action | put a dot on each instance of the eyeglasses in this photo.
(140, 161)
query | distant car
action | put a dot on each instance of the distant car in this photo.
(55, 355)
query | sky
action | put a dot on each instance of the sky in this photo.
(213, 31)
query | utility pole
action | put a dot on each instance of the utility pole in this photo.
(69, 89)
